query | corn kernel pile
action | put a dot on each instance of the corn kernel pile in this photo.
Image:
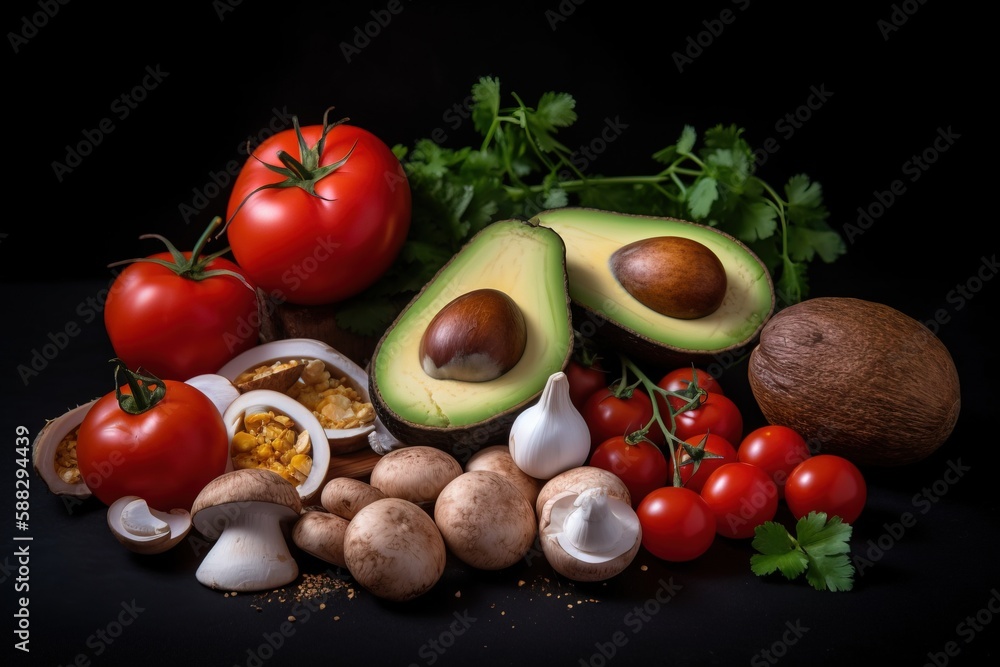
(65, 458)
(331, 399)
(270, 441)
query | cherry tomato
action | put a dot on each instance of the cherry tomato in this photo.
(742, 496)
(164, 450)
(585, 380)
(681, 379)
(775, 448)
(716, 445)
(717, 414)
(608, 415)
(641, 466)
(181, 315)
(677, 523)
(826, 483)
(337, 223)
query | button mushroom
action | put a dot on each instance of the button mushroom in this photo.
(247, 512)
(589, 536)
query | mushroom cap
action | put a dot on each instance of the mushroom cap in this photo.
(244, 488)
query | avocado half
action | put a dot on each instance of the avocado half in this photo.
(519, 258)
(603, 309)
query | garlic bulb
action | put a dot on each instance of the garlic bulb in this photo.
(551, 436)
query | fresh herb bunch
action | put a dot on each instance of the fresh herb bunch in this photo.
(820, 549)
(521, 169)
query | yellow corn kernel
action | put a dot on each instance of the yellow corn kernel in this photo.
(301, 466)
(243, 442)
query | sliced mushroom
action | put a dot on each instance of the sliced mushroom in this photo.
(247, 511)
(589, 536)
(145, 530)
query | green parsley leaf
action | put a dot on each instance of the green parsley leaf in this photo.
(820, 548)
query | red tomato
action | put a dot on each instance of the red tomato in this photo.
(742, 496)
(584, 381)
(608, 415)
(714, 444)
(339, 226)
(178, 315)
(777, 449)
(826, 483)
(641, 465)
(717, 414)
(677, 524)
(681, 379)
(165, 454)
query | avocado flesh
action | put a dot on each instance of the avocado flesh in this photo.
(527, 263)
(592, 236)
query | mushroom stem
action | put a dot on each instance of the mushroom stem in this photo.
(251, 553)
(591, 526)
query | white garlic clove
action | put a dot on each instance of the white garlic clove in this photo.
(551, 436)
(590, 526)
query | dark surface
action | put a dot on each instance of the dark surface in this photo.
(924, 594)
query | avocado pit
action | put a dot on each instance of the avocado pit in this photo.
(673, 275)
(477, 337)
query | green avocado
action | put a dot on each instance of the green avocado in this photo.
(525, 261)
(605, 310)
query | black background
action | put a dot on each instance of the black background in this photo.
(891, 89)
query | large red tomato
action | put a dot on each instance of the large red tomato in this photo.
(160, 440)
(178, 315)
(319, 213)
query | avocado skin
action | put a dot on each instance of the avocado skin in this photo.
(600, 303)
(396, 357)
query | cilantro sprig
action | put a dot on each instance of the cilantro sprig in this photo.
(820, 549)
(520, 168)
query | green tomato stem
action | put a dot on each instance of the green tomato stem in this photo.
(142, 399)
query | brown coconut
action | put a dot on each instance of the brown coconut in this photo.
(856, 378)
